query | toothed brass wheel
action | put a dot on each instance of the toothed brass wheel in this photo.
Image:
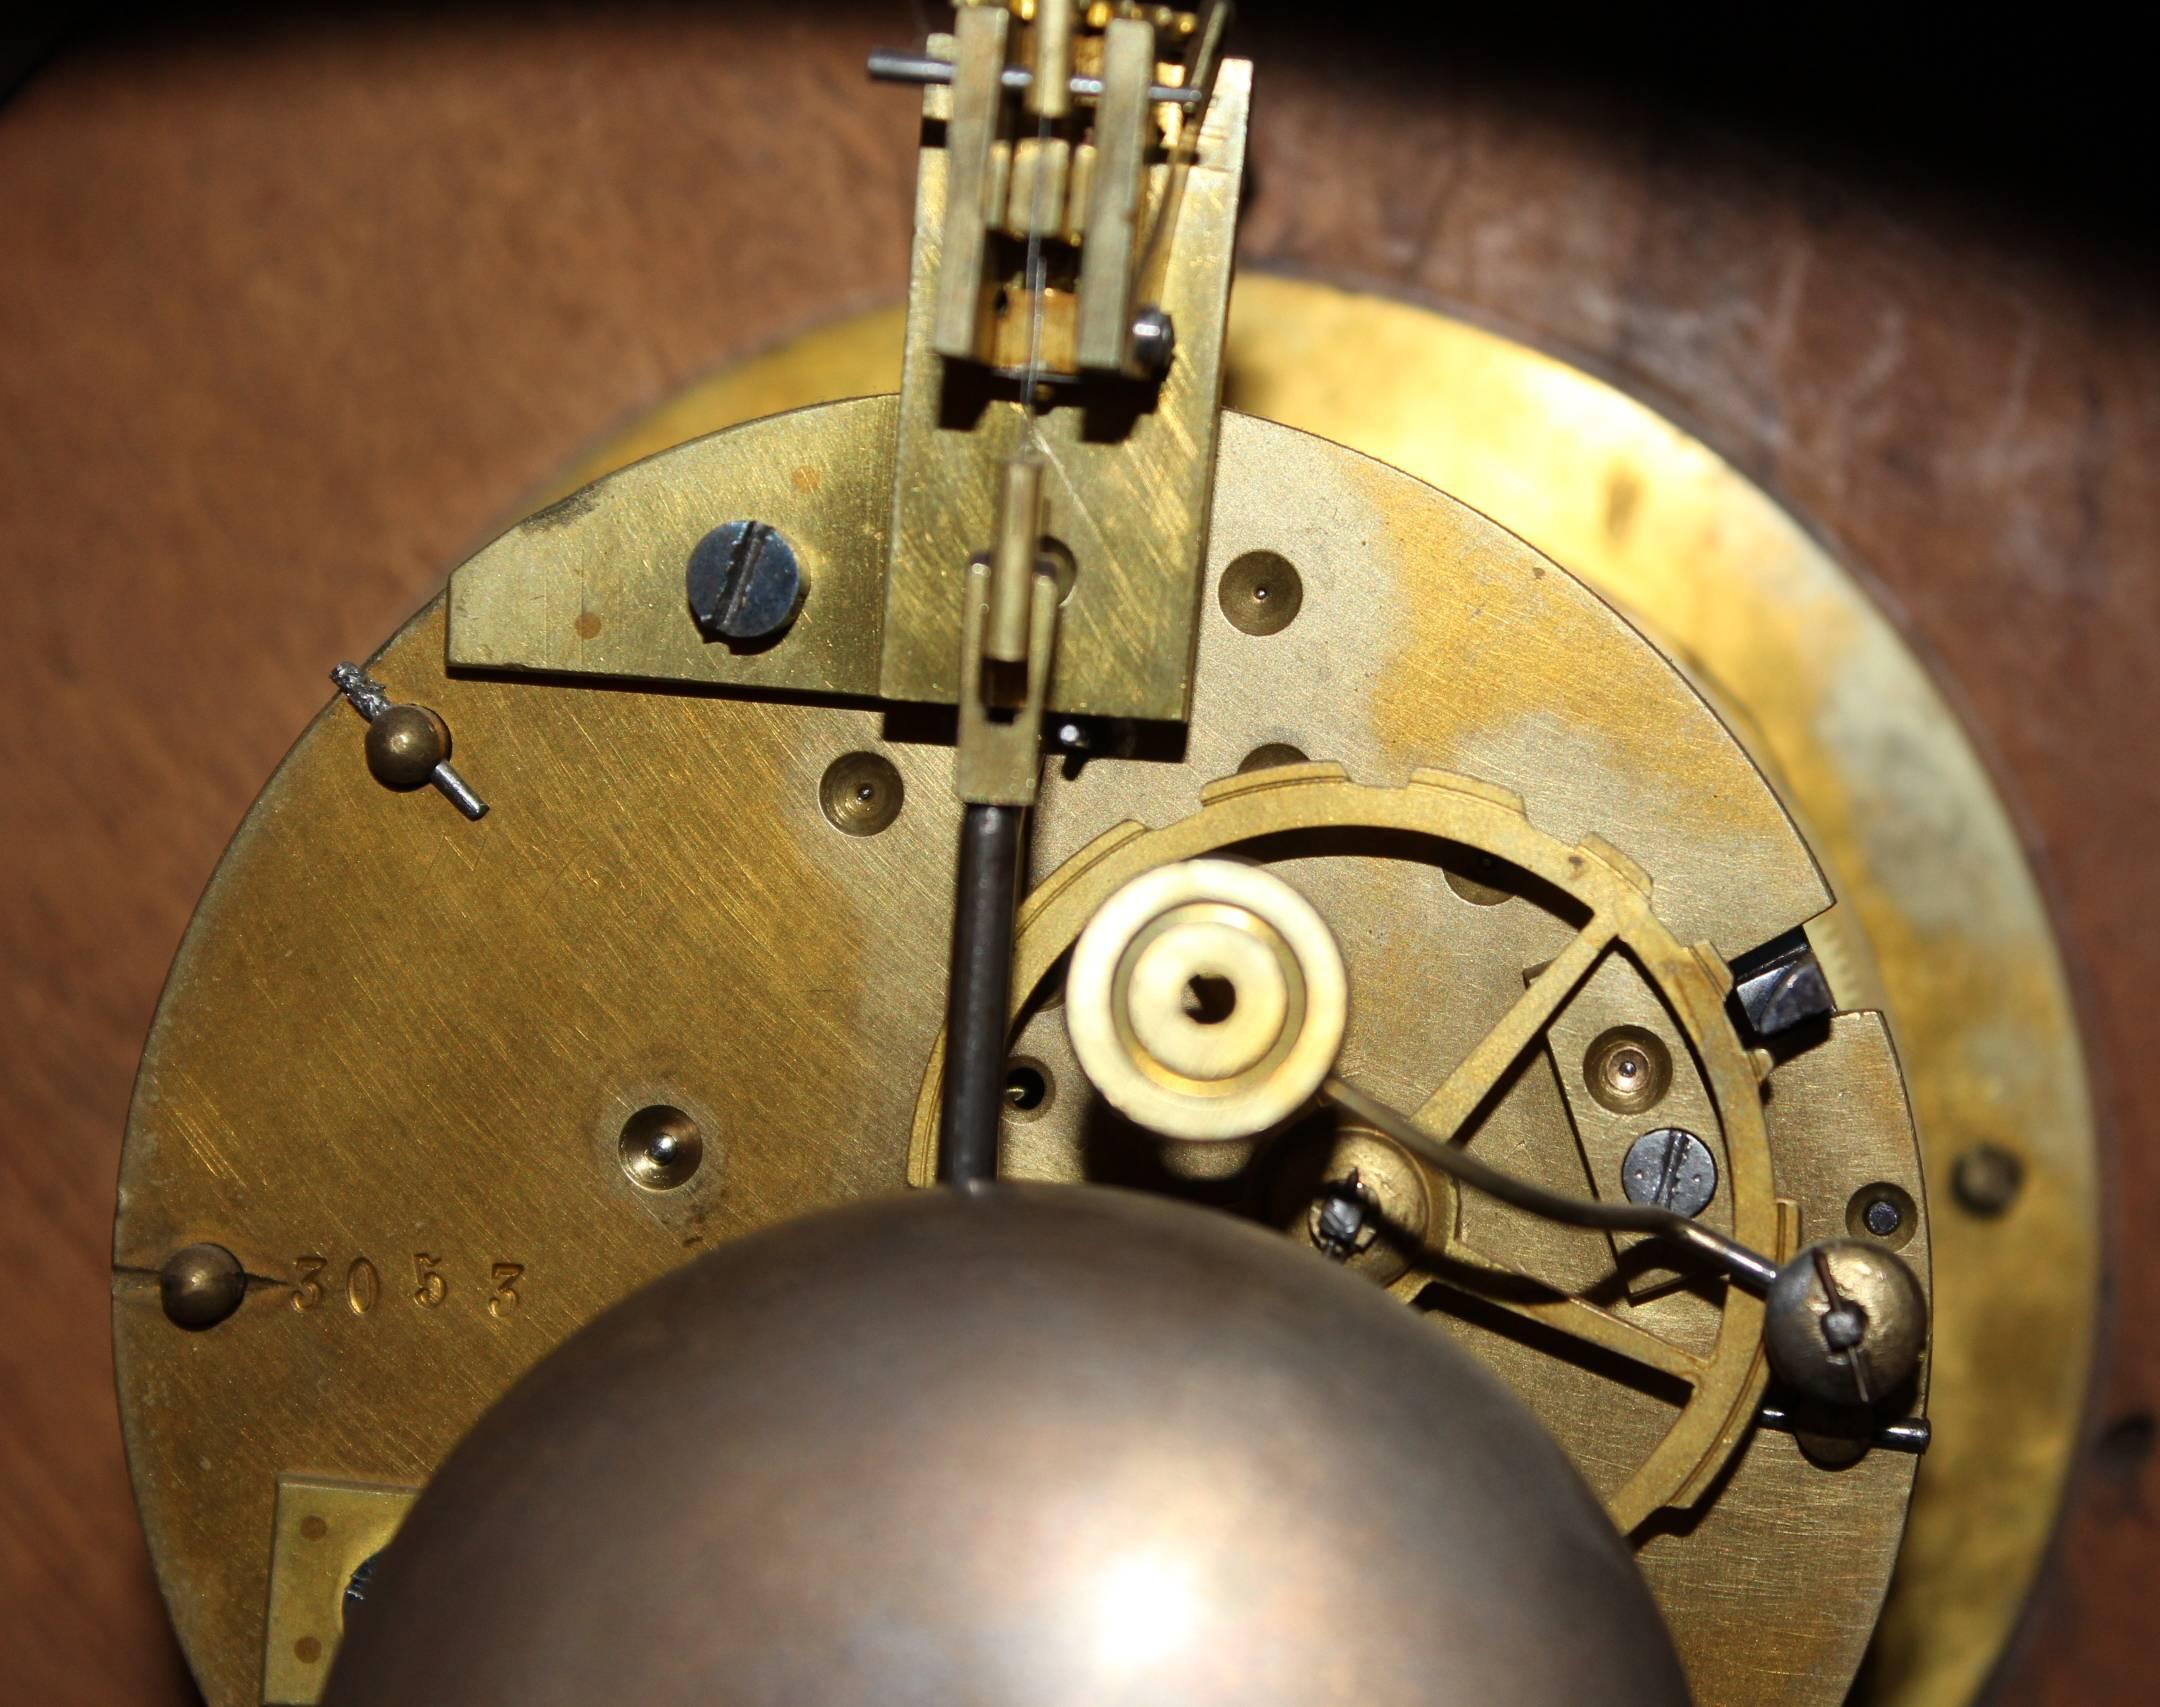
(1604, 904)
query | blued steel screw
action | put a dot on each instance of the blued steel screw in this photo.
(744, 582)
(1671, 1168)
(1342, 1221)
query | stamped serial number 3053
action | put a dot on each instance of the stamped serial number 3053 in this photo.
(362, 1286)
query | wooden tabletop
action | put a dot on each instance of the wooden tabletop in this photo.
(292, 317)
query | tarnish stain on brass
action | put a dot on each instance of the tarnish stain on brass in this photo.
(562, 512)
(1520, 675)
(1622, 493)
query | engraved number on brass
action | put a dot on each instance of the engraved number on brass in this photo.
(363, 1286)
(505, 1299)
(431, 1285)
(307, 1290)
(432, 1288)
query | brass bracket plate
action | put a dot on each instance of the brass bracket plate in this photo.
(884, 517)
(1127, 493)
(323, 1532)
(593, 585)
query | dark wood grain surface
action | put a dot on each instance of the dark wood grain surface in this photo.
(292, 318)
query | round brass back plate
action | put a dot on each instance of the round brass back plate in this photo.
(401, 1057)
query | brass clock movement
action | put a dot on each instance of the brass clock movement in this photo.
(1115, 906)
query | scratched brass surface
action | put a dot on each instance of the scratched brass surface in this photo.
(1813, 733)
(388, 1051)
(398, 1049)
(1942, 923)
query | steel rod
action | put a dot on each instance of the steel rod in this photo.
(890, 65)
(1910, 1434)
(1741, 1264)
(978, 996)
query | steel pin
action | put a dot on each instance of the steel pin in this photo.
(368, 699)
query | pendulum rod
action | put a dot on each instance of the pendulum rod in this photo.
(978, 994)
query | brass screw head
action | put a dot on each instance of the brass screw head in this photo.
(405, 744)
(200, 1285)
(861, 793)
(1260, 593)
(1845, 1323)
